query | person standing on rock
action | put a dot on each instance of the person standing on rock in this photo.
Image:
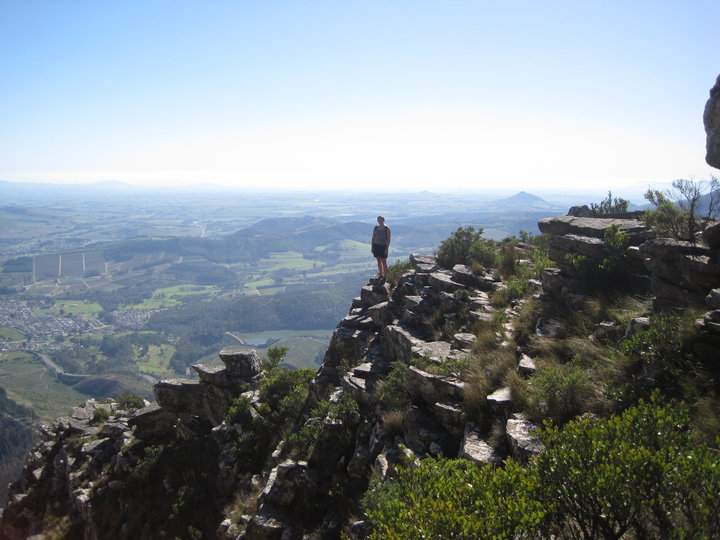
(381, 245)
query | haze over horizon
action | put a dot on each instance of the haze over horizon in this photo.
(371, 96)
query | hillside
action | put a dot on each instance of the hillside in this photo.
(430, 382)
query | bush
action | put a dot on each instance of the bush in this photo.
(655, 358)
(396, 271)
(130, 401)
(637, 475)
(609, 205)
(392, 392)
(559, 392)
(679, 212)
(456, 249)
(452, 499)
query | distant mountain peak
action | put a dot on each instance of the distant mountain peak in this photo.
(524, 198)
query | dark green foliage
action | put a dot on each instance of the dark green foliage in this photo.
(282, 394)
(609, 205)
(453, 499)
(100, 416)
(483, 252)
(396, 271)
(657, 359)
(559, 392)
(130, 401)
(679, 212)
(275, 356)
(637, 475)
(611, 272)
(392, 392)
(456, 249)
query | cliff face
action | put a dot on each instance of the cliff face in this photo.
(711, 119)
(182, 466)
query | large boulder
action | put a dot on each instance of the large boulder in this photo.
(711, 119)
(594, 227)
(240, 364)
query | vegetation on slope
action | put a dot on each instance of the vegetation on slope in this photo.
(631, 431)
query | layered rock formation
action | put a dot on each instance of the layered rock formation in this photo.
(711, 119)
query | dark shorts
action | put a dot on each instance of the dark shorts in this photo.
(379, 250)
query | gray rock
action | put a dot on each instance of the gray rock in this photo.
(713, 299)
(370, 297)
(380, 314)
(152, 421)
(240, 364)
(450, 415)
(548, 328)
(435, 388)
(580, 211)
(443, 282)
(500, 399)
(475, 449)
(595, 227)
(608, 330)
(635, 326)
(216, 375)
(526, 366)
(711, 236)
(464, 340)
(417, 259)
(524, 443)
(711, 120)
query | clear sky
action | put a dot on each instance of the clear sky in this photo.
(392, 94)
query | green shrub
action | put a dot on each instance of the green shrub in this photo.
(656, 359)
(679, 212)
(456, 249)
(100, 416)
(239, 412)
(396, 271)
(638, 475)
(130, 401)
(392, 392)
(275, 356)
(483, 253)
(611, 271)
(559, 392)
(609, 205)
(453, 499)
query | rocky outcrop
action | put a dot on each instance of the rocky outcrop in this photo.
(711, 119)
(419, 331)
(679, 274)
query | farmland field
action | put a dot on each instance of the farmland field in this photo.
(8, 334)
(30, 383)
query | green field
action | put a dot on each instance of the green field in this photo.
(8, 334)
(291, 260)
(30, 383)
(72, 306)
(157, 361)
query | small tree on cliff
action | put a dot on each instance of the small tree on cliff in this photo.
(609, 205)
(683, 211)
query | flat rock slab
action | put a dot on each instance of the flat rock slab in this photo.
(595, 227)
(523, 441)
(475, 449)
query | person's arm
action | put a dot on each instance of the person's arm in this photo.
(387, 247)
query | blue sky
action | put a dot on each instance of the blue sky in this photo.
(392, 95)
